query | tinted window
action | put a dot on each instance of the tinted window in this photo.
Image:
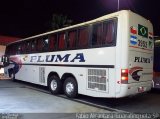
(19, 49)
(28, 46)
(83, 37)
(33, 45)
(23, 50)
(109, 32)
(96, 35)
(72, 35)
(39, 44)
(53, 42)
(45, 43)
(61, 41)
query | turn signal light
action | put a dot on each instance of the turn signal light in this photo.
(124, 76)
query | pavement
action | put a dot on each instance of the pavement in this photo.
(20, 100)
(27, 101)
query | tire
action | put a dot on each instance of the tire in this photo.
(70, 87)
(12, 75)
(54, 85)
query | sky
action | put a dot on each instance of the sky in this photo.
(24, 18)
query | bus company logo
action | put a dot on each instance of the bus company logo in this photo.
(79, 57)
(133, 40)
(25, 58)
(135, 72)
(16, 61)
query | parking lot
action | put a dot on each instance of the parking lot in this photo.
(21, 97)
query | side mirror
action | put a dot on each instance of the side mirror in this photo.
(2, 58)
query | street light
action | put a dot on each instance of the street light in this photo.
(118, 5)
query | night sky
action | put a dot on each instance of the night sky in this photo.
(23, 18)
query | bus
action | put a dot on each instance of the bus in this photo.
(156, 76)
(108, 57)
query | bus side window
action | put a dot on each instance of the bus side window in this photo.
(45, 44)
(28, 46)
(52, 42)
(72, 39)
(61, 41)
(7, 50)
(23, 50)
(109, 30)
(39, 44)
(33, 45)
(19, 48)
(96, 34)
(83, 37)
(11, 50)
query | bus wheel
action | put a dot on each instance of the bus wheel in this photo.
(12, 75)
(70, 87)
(54, 85)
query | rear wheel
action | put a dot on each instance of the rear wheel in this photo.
(70, 87)
(54, 85)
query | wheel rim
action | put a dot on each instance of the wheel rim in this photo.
(53, 85)
(69, 88)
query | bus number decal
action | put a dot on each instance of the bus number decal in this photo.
(142, 43)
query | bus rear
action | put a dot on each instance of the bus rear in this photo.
(137, 55)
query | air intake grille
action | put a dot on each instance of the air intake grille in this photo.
(97, 79)
(42, 75)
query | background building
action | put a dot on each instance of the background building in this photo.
(4, 40)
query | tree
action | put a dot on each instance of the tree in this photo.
(60, 21)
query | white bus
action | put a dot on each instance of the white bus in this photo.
(111, 56)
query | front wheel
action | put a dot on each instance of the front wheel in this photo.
(12, 75)
(70, 87)
(54, 85)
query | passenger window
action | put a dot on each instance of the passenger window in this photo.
(23, 47)
(72, 39)
(53, 42)
(109, 33)
(19, 48)
(39, 44)
(61, 41)
(83, 37)
(45, 44)
(96, 35)
(28, 46)
(33, 45)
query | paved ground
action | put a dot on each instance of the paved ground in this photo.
(20, 97)
(17, 98)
